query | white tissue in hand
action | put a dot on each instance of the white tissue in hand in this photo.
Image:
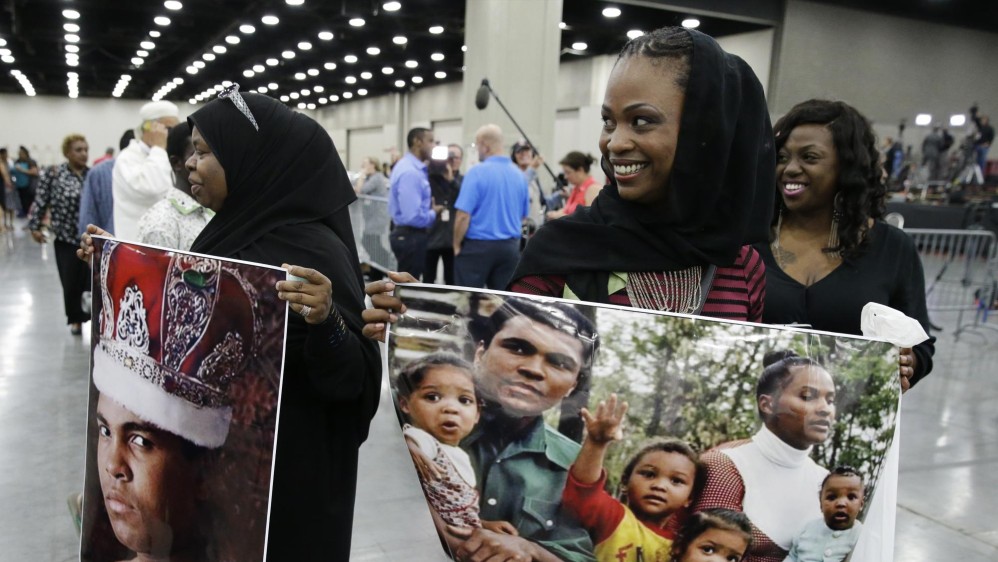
(885, 323)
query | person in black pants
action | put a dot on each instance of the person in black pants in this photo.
(444, 187)
(59, 192)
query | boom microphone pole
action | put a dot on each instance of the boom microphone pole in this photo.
(482, 101)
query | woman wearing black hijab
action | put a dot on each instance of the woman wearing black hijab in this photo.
(687, 146)
(280, 194)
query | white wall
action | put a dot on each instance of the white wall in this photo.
(755, 48)
(889, 68)
(39, 123)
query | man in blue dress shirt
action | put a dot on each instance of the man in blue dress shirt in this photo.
(409, 202)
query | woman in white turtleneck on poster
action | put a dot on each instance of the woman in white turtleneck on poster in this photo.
(771, 477)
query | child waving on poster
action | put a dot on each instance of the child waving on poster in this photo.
(657, 483)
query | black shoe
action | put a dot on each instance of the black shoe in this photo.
(75, 329)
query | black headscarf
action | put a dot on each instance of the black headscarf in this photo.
(718, 199)
(287, 199)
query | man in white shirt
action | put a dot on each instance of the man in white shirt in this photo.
(142, 172)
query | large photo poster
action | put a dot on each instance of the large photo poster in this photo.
(561, 431)
(185, 384)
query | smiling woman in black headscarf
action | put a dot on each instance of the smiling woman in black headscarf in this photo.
(280, 194)
(687, 147)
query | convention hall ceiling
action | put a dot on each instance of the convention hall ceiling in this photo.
(335, 50)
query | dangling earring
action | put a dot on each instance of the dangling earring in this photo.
(833, 234)
(775, 244)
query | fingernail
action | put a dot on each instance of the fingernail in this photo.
(390, 285)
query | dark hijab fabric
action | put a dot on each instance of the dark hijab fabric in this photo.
(287, 203)
(718, 199)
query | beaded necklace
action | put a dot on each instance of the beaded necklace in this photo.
(674, 291)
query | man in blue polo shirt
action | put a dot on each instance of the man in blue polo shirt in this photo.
(493, 202)
(410, 204)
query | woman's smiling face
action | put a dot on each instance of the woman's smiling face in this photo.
(207, 176)
(641, 112)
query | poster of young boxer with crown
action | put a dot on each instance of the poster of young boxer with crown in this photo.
(553, 429)
(185, 382)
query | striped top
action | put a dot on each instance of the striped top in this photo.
(737, 292)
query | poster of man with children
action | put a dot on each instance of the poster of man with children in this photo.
(548, 430)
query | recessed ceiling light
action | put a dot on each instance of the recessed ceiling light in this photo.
(334, 97)
(329, 66)
(295, 2)
(635, 33)
(437, 57)
(71, 14)
(350, 79)
(347, 95)
(72, 38)
(161, 20)
(313, 72)
(350, 59)
(249, 73)
(411, 64)
(178, 80)
(562, 25)
(247, 28)
(259, 68)
(72, 49)
(208, 57)
(301, 105)
(357, 22)
(304, 45)
(373, 51)
(400, 40)
(149, 45)
(172, 5)
(270, 20)
(7, 59)
(5, 53)
(197, 64)
(362, 92)
(192, 101)
(154, 34)
(611, 12)
(300, 76)
(288, 54)
(318, 89)
(3, 42)
(691, 23)
(272, 86)
(311, 106)
(326, 35)
(957, 120)
(440, 74)
(295, 95)
(192, 70)
(400, 83)
(71, 27)
(77, 63)
(272, 62)
(323, 100)
(220, 49)
(417, 79)
(137, 61)
(923, 119)
(285, 99)
(387, 70)
(579, 46)
(437, 29)
(305, 92)
(366, 75)
(142, 53)
(232, 39)
(464, 48)
(391, 6)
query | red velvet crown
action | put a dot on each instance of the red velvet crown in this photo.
(175, 330)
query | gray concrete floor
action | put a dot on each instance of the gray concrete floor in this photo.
(949, 459)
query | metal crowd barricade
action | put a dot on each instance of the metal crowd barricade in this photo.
(961, 273)
(370, 220)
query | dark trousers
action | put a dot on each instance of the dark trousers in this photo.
(486, 263)
(433, 256)
(409, 246)
(75, 277)
(27, 196)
